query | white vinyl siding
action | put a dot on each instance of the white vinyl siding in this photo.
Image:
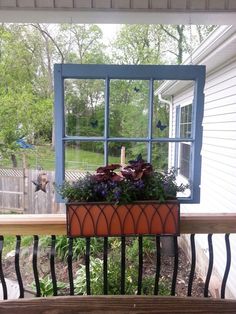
(218, 175)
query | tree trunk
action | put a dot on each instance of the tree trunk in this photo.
(14, 160)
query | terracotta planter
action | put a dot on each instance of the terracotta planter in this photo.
(139, 218)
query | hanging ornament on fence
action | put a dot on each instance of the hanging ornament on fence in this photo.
(41, 182)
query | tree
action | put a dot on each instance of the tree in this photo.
(24, 111)
(82, 43)
(27, 55)
(183, 39)
(137, 44)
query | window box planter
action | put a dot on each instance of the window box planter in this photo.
(138, 218)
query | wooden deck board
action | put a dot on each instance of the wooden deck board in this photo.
(117, 305)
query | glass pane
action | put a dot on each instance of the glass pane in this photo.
(84, 107)
(129, 108)
(186, 121)
(161, 114)
(122, 152)
(83, 156)
(176, 160)
(184, 165)
(160, 155)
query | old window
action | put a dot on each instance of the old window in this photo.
(100, 90)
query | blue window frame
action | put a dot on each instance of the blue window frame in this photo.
(149, 73)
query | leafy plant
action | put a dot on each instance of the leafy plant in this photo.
(114, 278)
(137, 181)
(46, 286)
(79, 246)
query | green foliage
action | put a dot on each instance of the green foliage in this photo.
(46, 286)
(10, 243)
(76, 158)
(79, 245)
(27, 55)
(114, 277)
(138, 44)
(148, 247)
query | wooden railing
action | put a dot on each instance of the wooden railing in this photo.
(56, 224)
(118, 305)
(191, 224)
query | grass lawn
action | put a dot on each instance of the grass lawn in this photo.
(44, 156)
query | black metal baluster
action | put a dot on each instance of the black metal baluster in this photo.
(158, 265)
(227, 267)
(35, 269)
(193, 264)
(140, 264)
(210, 265)
(2, 278)
(17, 266)
(122, 281)
(69, 263)
(105, 253)
(176, 262)
(52, 265)
(87, 264)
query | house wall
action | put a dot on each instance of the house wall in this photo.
(218, 183)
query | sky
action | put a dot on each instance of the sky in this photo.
(109, 31)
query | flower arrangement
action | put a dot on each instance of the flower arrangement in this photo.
(114, 184)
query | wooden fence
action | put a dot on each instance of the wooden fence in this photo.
(17, 191)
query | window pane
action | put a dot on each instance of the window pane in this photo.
(160, 126)
(83, 156)
(160, 153)
(131, 151)
(84, 107)
(184, 159)
(128, 108)
(186, 121)
(161, 114)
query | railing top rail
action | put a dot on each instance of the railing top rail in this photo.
(119, 304)
(56, 223)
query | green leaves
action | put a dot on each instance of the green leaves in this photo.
(46, 286)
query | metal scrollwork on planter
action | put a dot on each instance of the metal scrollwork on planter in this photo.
(139, 218)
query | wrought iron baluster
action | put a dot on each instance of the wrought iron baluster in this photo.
(2, 278)
(210, 265)
(105, 254)
(17, 266)
(193, 264)
(69, 263)
(227, 267)
(158, 265)
(140, 264)
(122, 282)
(35, 269)
(176, 262)
(52, 264)
(87, 266)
